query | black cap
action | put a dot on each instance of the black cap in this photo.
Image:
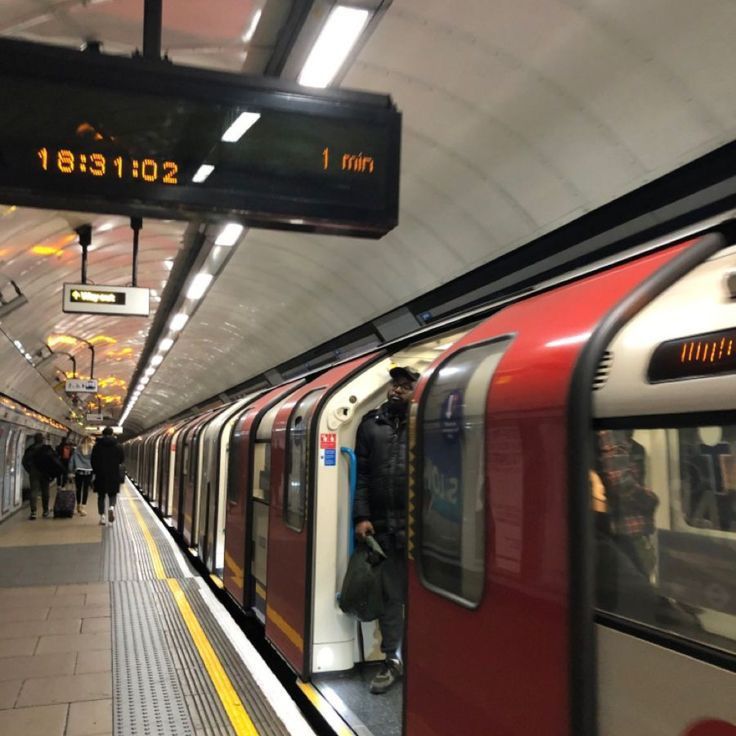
(403, 371)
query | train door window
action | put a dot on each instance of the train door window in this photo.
(297, 477)
(451, 529)
(262, 470)
(664, 504)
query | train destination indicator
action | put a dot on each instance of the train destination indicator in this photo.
(122, 300)
(91, 132)
(696, 356)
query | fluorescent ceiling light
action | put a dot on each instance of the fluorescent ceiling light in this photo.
(202, 173)
(168, 265)
(199, 285)
(337, 38)
(229, 234)
(144, 380)
(243, 123)
(248, 35)
(149, 371)
(178, 321)
(165, 344)
(157, 360)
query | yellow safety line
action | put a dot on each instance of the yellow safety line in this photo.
(281, 623)
(232, 704)
(228, 696)
(325, 708)
(158, 566)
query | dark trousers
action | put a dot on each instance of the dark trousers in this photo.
(393, 578)
(82, 481)
(101, 500)
(39, 484)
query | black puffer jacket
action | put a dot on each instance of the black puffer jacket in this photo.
(380, 497)
(107, 456)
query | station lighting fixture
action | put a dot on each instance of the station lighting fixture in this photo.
(165, 344)
(243, 123)
(157, 360)
(337, 38)
(229, 234)
(199, 285)
(149, 371)
(202, 173)
(251, 29)
(178, 321)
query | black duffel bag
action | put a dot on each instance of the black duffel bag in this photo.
(362, 590)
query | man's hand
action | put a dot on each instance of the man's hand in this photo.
(363, 529)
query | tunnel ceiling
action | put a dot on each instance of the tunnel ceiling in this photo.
(518, 116)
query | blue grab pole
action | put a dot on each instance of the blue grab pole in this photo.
(353, 476)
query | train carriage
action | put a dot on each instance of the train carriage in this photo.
(528, 608)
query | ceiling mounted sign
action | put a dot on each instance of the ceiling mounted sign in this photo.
(81, 386)
(122, 300)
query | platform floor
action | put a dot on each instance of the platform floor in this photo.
(108, 630)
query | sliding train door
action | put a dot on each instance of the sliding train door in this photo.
(248, 492)
(499, 628)
(294, 457)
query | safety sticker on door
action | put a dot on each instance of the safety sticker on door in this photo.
(328, 448)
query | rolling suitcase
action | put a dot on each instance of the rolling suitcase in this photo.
(65, 503)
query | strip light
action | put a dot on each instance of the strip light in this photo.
(338, 36)
(229, 234)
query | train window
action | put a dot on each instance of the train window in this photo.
(297, 477)
(451, 529)
(262, 471)
(665, 516)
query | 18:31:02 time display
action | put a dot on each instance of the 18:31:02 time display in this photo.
(66, 161)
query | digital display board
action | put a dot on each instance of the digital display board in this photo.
(91, 132)
(696, 356)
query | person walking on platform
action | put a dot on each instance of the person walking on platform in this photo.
(42, 464)
(81, 466)
(64, 451)
(380, 509)
(107, 457)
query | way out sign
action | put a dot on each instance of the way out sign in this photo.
(129, 300)
(80, 386)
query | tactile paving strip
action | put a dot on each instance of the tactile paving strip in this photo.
(128, 558)
(147, 695)
(159, 682)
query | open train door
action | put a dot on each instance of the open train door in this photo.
(500, 625)
(293, 462)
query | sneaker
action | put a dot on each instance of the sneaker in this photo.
(46, 514)
(82, 511)
(32, 517)
(111, 514)
(391, 671)
(102, 519)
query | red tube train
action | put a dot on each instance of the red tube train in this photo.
(572, 497)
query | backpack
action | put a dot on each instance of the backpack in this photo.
(47, 462)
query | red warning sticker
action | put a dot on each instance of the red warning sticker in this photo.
(328, 440)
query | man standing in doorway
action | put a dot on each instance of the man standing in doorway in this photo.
(107, 457)
(380, 509)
